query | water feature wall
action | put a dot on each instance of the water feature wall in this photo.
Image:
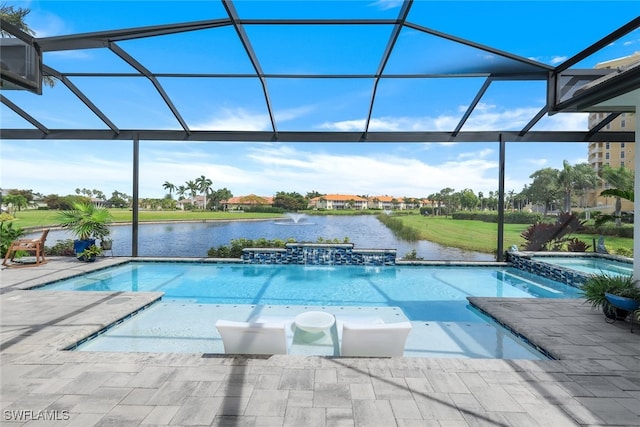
(524, 261)
(319, 254)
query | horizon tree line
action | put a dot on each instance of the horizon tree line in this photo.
(551, 188)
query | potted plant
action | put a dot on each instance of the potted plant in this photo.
(599, 286)
(106, 244)
(87, 222)
(90, 253)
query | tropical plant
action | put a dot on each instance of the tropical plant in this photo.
(169, 187)
(617, 217)
(8, 233)
(193, 190)
(597, 285)
(543, 236)
(577, 245)
(204, 185)
(90, 253)
(621, 181)
(579, 177)
(86, 221)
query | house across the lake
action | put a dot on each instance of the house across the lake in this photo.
(246, 202)
(325, 202)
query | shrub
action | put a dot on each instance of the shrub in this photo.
(592, 214)
(610, 230)
(412, 256)
(623, 252)
(492, 216)
(234, 250)
(426, 210)
(61, 248)
(7, 235)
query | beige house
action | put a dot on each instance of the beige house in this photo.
(386, 203)
(198, 202)
(614, 154)
(338, 201)
(246, 202)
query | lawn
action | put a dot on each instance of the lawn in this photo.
(482, 236)
(49, 218)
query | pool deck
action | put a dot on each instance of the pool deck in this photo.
(595, 381)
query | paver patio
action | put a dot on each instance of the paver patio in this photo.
(594, 381)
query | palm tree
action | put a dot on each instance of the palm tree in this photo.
(193, 190)
(578, 177)
(204, 184)
(510, 193)
(169, 187)
(86, 221)
(622, 180)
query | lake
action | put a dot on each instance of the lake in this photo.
(194, 239)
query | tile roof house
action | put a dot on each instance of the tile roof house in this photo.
(339, 201)
(245, 202)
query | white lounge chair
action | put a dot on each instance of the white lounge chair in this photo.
(252, 338)
(374, 340)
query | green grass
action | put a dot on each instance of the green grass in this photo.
(49, 218)
(482, 236)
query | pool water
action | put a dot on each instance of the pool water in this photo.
(433, 298)
(589, 265)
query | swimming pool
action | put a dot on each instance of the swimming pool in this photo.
(433, 298)
(589, 265)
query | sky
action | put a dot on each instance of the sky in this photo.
(548, 32)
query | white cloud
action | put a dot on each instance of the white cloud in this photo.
(394, 124)
(68, 55)
(292, 169)
(47, 24)
(538, 163)
(236, 119)
(558, 59)
(564, 122)
(485, 117)
(240, 119)
(386, 4)
(482, 154)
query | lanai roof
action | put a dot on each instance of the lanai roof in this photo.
(403, 44)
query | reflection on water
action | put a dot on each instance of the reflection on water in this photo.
(194, 239)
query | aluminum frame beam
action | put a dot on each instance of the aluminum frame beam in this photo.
(144, 71)
(244, 39)
(310, 137)
(19, 111)
(102, 38)
(395, 33)
(77, 92)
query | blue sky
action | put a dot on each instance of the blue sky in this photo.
(544, 31)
